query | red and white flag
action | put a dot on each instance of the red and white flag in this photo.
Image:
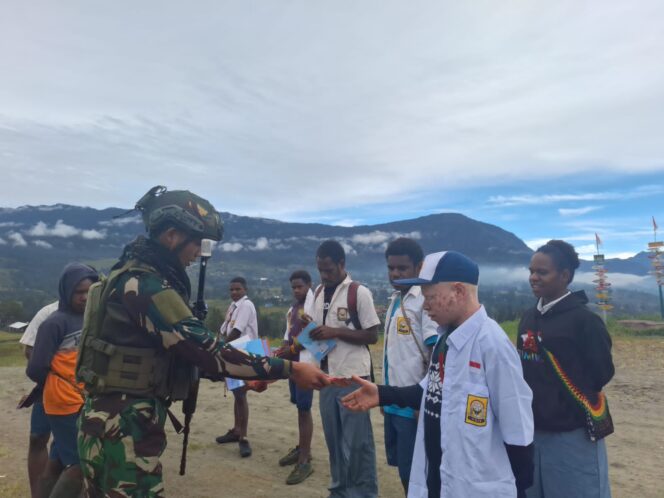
(654, 223)
(598, 241)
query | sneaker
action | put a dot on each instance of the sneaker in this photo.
(229, 437)
(245, 449)
(300, 472)
(290, 458)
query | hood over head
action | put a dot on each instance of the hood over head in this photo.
(71, 276)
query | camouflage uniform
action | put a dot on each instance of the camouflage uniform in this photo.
(121, 437)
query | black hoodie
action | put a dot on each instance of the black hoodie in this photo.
(62, 323)
(578, 338)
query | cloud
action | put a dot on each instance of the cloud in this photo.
(17, 239)
(347, 247)
(230, 247)
(531, 200)
(619, 280)
(42, 243)
(10, 224)
(577, 211)
(61, 229)
(380, 237)
(261, 244)
(3, 242)
(303, 95)
(93, 234)
(120, 222)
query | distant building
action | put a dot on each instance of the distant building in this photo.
(17, 327)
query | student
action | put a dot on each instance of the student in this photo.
(348, 435)
(241, 321)
(52, 365)
(40, 431)
(475, 425)
(565, 348)
(300, 455)
(409, 336)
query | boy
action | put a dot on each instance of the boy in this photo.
(241, 321)
(409, 336)
(300, 282)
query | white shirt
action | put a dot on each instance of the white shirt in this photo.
(402, 346)
(308, 310)
(30, 335)
(347, 359)
(485, 403)
(241, 315)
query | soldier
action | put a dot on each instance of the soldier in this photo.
(140, 340)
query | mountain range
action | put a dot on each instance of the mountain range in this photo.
(37, 241)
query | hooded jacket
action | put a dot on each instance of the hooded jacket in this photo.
(578, 338)
(53, 358)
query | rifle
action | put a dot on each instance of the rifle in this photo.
(200, 310)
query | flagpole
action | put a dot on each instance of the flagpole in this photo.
(654, 247)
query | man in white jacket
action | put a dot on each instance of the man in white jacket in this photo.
(475, 423)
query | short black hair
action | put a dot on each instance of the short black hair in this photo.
(331, 249)
(301, 274)
(239, 280)
(563, 255)
(403, 246)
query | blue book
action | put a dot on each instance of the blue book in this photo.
(319, 349)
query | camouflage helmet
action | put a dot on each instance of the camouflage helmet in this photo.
(183, 210)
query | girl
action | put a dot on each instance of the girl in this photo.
(565, 352)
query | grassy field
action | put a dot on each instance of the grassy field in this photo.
(11, 352)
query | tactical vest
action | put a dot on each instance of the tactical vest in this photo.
(117, 356)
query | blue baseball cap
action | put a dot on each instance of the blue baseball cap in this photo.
(445, 266)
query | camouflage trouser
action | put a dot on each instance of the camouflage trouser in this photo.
(120, 440)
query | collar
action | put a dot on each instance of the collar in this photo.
(543, 308)
(237, 303)
(414, 292)
(467, 329)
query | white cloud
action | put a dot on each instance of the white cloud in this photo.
(42, 243)
(347, 247)
(261, 244)
(577, 211)
(230, 247)
(61, 229)
(10, 224)
(17, 239)
(620, 280)
(380, 237)
(303, 94)
(93, 234)
(532, 200)
(3, 242)
(119, 222)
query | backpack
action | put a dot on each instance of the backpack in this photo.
(353, 317)
(351, 302)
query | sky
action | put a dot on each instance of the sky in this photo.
(544, 118)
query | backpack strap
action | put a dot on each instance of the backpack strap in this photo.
(355, 320)
(352, 305)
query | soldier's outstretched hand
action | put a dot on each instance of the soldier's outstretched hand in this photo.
(362, 399)
(308, 376)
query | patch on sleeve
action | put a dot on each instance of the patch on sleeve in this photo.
(402, 326)
(476, 410)
(171, 306)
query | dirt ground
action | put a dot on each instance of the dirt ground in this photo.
(636, 397)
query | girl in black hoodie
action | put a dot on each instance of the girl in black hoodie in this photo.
(565, 352)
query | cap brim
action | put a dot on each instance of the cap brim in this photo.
(412, 281)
